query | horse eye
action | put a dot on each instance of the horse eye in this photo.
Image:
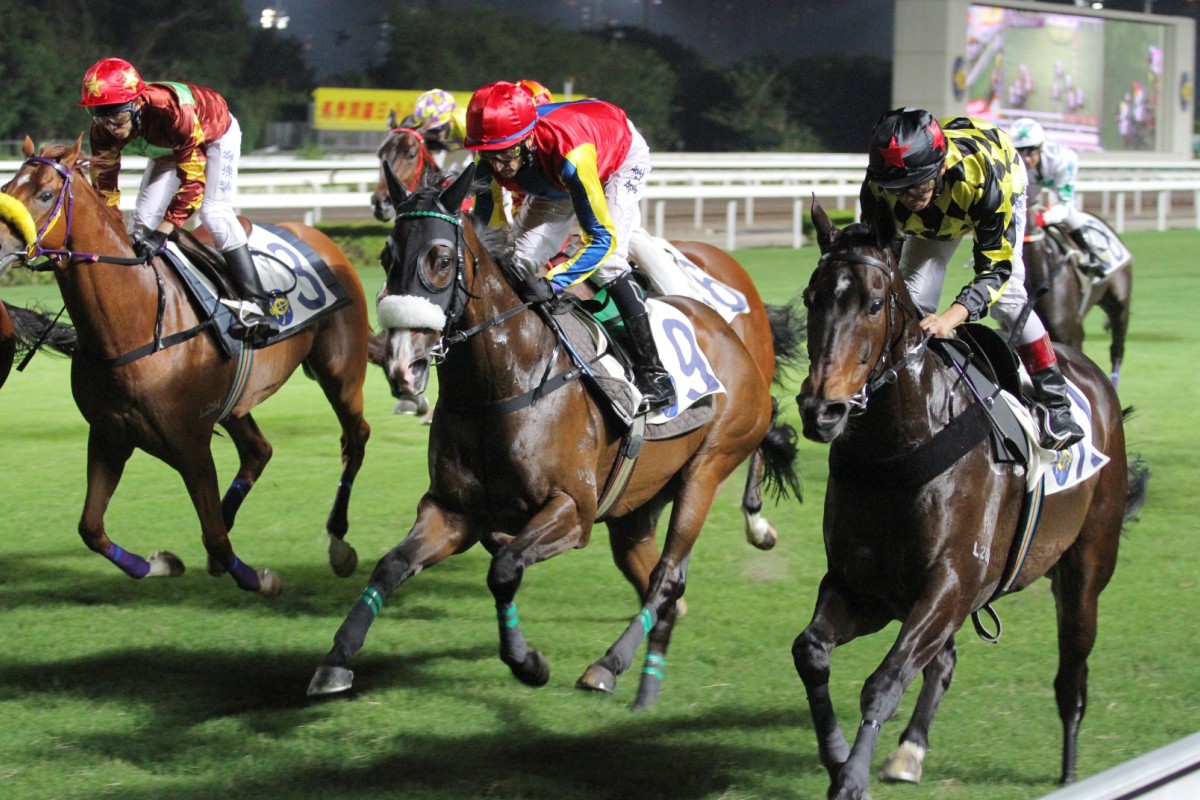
(876, 306)
(45, 196)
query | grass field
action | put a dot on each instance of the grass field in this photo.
(190, 688)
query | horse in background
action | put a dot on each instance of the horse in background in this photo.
(147, 375)
(404, 151)
(24, 330)
(929, 551)
(1063, 295)
(522, 454)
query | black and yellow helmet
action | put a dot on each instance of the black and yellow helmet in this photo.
(907, 147)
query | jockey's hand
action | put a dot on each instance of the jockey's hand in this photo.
(148, 244)
(942, 325)
(1055, 214)
(535, 289)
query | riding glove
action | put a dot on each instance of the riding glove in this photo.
(149, 244)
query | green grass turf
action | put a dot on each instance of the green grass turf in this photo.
(190, 688)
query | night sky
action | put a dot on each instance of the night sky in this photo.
(345, 35)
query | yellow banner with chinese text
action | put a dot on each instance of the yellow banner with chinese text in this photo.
(336, 109)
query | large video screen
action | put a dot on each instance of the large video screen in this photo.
(1094, 84)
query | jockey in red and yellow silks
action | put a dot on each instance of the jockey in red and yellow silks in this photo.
(579, 166)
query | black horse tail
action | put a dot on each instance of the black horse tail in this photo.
(1139, 479)
(778, 450)
(36, 329)
(788, 335)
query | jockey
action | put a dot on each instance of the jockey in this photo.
(1054, 166)
(436, 116)
(193, 144)
(941, 184)
(579, 165)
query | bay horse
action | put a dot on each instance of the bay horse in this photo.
(404, 151)
(167, 402)
(521, 466)
(929, 553)
(1069, 295)
(24, 329)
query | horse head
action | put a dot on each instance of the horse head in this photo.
(425, 289)
(43, 207)
(857, 303)
(404, 152)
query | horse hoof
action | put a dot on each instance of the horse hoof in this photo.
(760, 532)
(904, 765)
(533, 671)
(342, 557)
(330, 680)
(597, 678)
(405, 406)
(164, 564)
(269, 583)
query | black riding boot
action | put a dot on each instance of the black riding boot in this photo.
(256, 324)
(1051, 408)
(1094, 266)
(652, 380)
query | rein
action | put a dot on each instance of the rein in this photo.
(424, 160)
(885, 376)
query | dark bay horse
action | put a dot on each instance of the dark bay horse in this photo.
(167, 403)
(928, 553)
(1069, 295)
(526, 477)
(22, 329)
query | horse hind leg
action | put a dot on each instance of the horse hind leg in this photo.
(906, 763)
(342, 384)
(1115, 303)
(773, 463)
(105, 464)
(759, 530)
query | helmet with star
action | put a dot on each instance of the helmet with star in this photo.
(907, 147)
(111, 82)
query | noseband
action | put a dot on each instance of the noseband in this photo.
(881, 375)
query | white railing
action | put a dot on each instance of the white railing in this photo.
(737, 179)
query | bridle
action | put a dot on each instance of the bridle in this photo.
(424, 157)
(881, 374)
(64, 207)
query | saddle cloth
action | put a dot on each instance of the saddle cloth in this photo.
(1060, 469)
(300, 284)
(691, 372)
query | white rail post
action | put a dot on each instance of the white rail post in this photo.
(797, 223)
(660, 218)
(731, 225)
(1120, 218)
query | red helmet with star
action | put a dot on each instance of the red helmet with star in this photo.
(499, 116)
(907, 147)
(110, 82)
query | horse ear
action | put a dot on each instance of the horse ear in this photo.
(396, 191)
(453, 195)
(72, 154)
(391, 119)
(27, 147)
(826, 230)
(884, 225)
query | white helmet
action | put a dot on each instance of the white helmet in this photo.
(1027, 133)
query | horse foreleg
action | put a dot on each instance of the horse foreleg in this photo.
(554, 529)
(435, 536)
(906, 763)
(106, 461)
(833, 623)
(254, 451)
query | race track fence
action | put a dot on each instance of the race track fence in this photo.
(736, 179)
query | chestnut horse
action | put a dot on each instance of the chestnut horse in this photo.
(1069, 295)
(167, 402)
(931, 552)
(404, 151)
(526, 477)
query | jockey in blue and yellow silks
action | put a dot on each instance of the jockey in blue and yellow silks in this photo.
(942, 182)
(579, 165)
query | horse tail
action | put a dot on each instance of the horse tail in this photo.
(36, 329)
(1139, 479)
(778, 451)
(788, 335)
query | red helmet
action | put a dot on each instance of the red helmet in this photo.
(499, 116)
(540, 93)
(111, 81)
(907, 147)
